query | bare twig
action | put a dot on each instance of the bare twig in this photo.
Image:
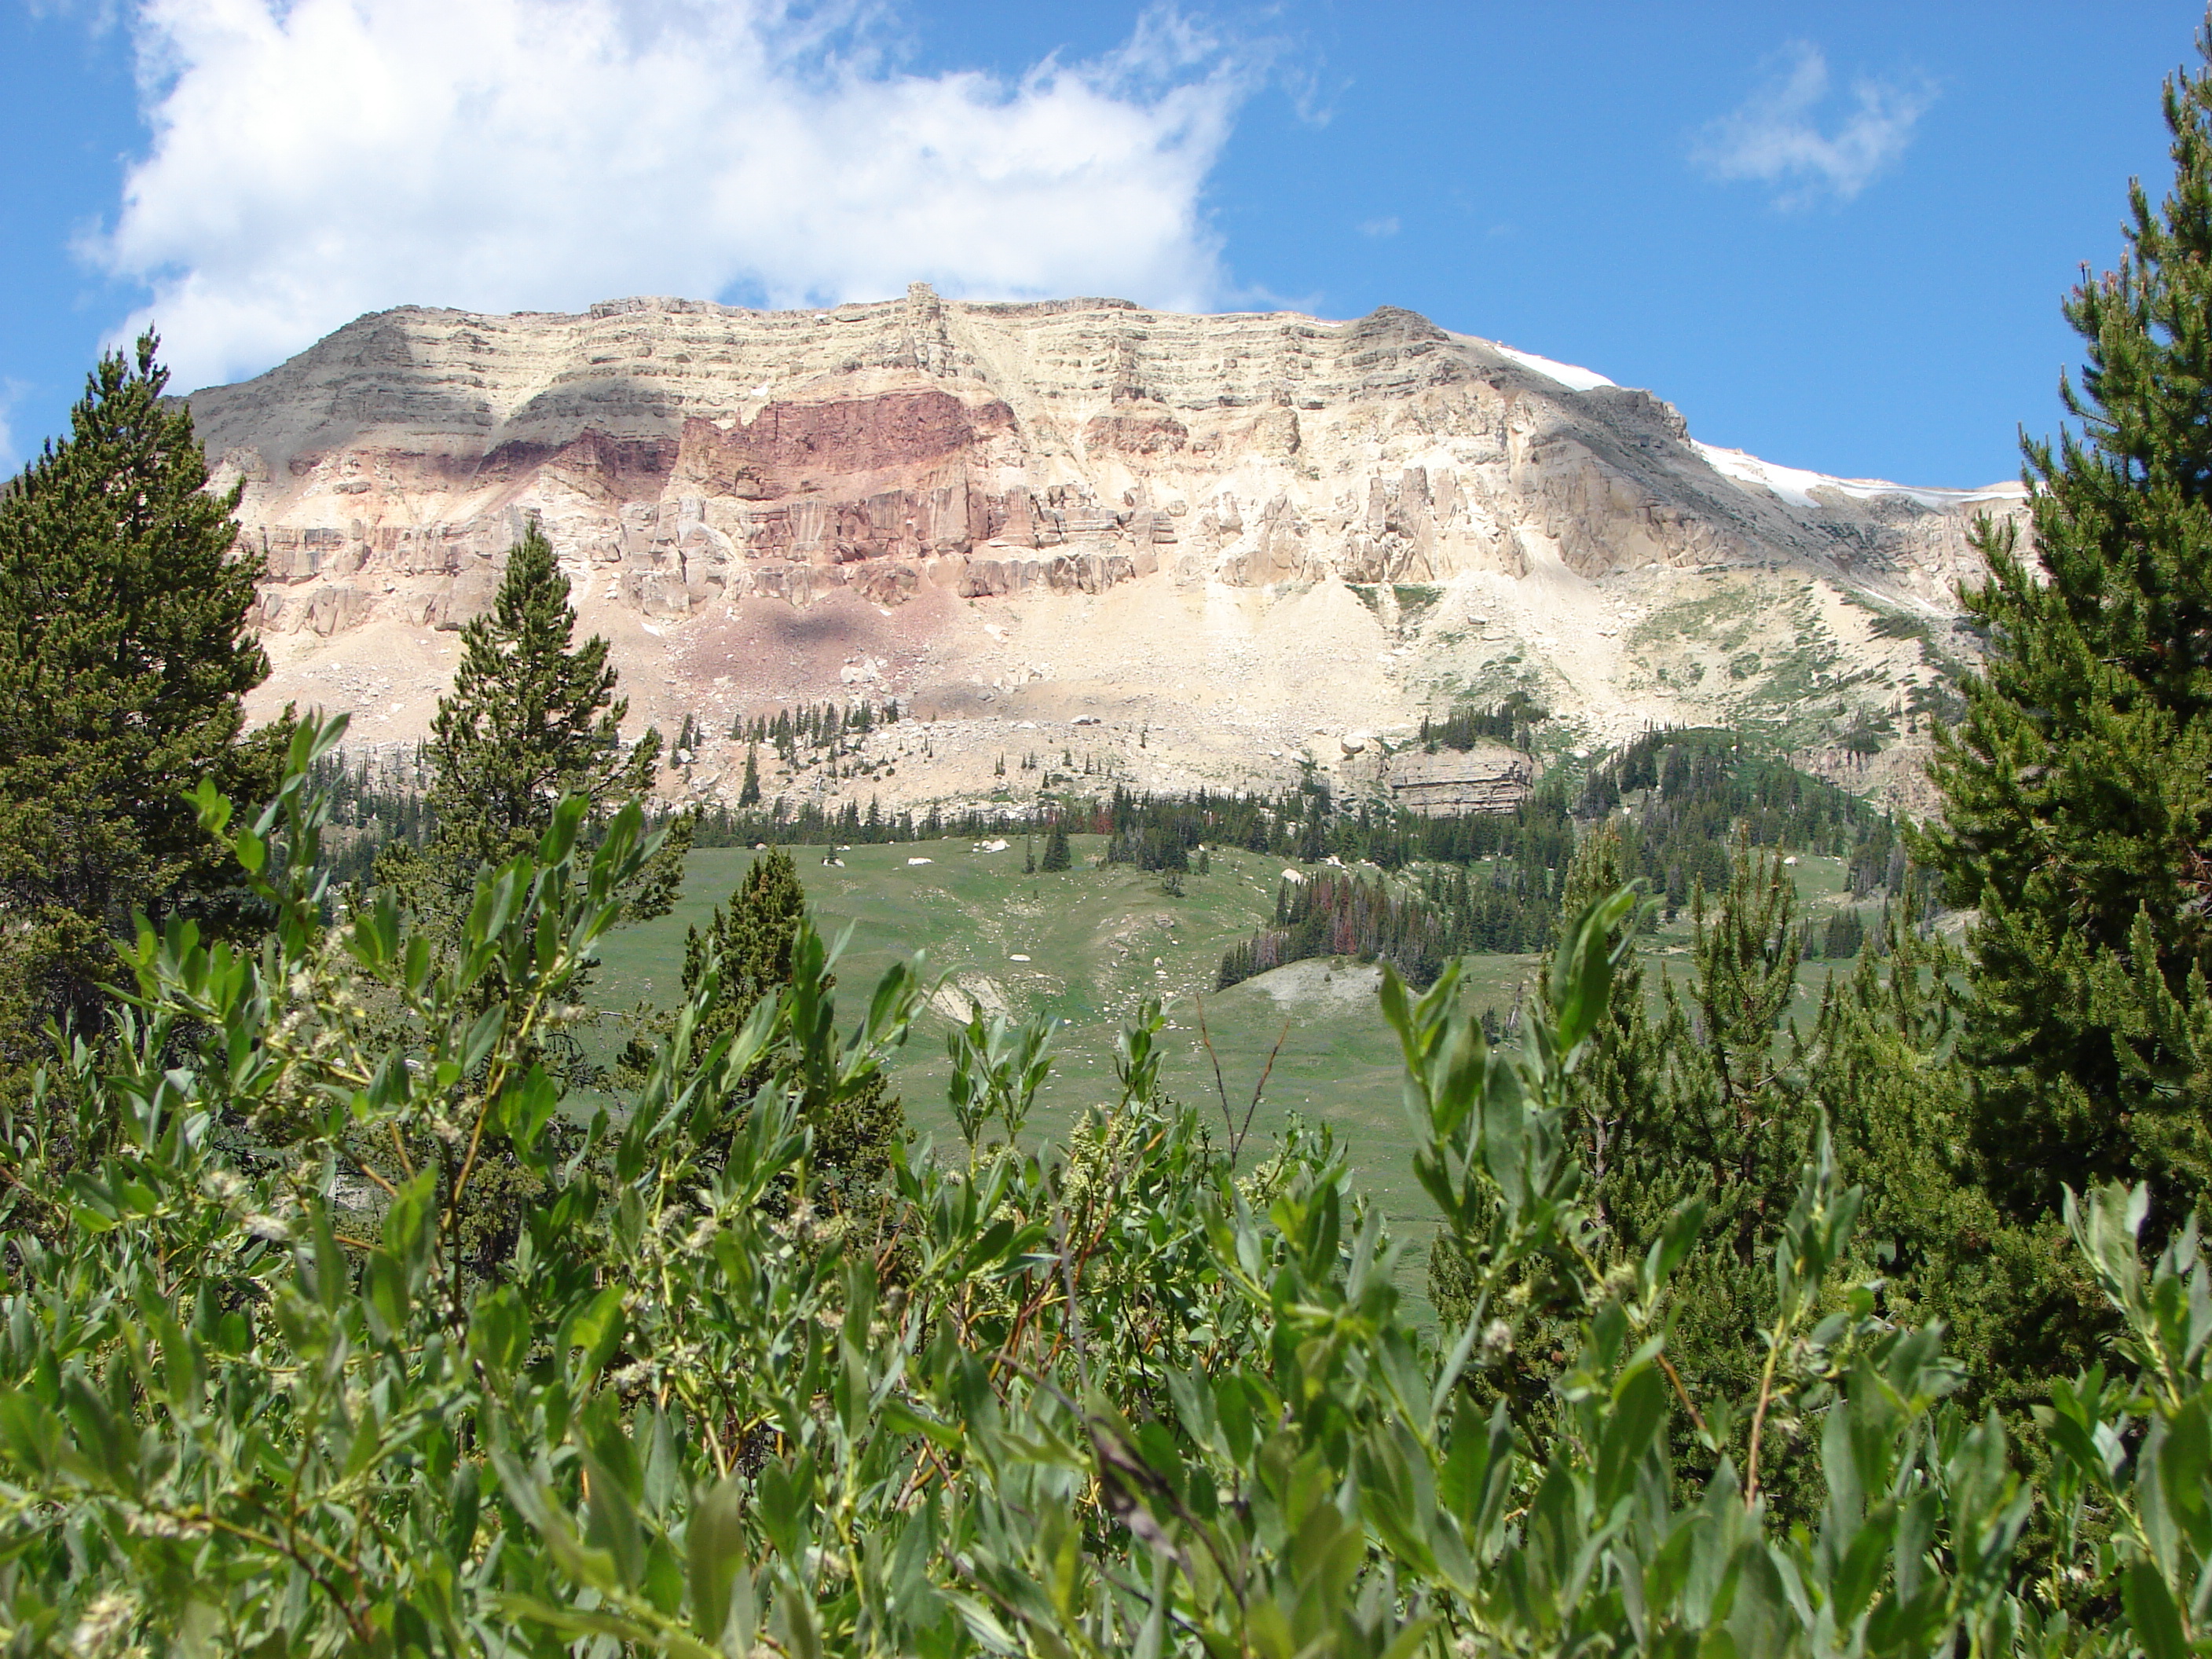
(1228, 1121)
(1230, 1126)
(1067, 1279)
(1258, 1089)
(1759, 1416)
(1683, 1394)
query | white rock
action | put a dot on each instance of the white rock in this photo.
(913, 861)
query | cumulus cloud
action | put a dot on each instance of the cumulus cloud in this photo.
(313, 160)
(1778, 135)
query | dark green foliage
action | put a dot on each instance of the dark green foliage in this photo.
(1413, 927)
(1686, 792)
(749, 949)
(1125, 1399)
(1153, 846)
(531, 717)
(748, 793)
(2078, 788)
(1845, 936)
(1058, 855)
(1712, 1100)
(125, 654)
(1510, 721)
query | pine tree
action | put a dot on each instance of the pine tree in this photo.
(125, 655)
(749, 945)
(528, 720)
(748, 793)
(2078, 788)
(1058, 855)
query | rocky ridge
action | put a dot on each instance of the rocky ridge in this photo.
(1196, 549)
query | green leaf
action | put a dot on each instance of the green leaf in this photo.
(714, 1552)
(2153, 1612)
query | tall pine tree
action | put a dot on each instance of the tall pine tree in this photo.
(125, 655)
(750, 946)
(532, 717)
(2078, 789)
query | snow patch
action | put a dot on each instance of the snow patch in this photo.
(1796, 485)
(1567, 374)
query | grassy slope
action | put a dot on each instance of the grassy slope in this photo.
(1092, 935)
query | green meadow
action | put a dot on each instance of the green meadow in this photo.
(1085, 946)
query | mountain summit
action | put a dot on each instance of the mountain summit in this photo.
(1215, 546)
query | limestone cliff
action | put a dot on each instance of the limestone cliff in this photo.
(1239, 531)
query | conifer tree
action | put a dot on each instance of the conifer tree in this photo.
(529, 718)
(125, 657)
(750, 946)
(748, 793)
(2078, 788)
(1058, 855)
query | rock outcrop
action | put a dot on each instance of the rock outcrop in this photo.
(756, 504)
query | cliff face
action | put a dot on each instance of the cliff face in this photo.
(1191, 522)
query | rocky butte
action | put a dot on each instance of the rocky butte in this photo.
(1183, 550)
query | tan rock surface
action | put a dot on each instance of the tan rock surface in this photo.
(1224, 545)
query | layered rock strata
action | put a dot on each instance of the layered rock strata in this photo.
(1257, 526)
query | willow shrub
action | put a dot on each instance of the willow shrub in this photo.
(1116, 1399)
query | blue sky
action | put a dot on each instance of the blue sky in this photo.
(1833, 235)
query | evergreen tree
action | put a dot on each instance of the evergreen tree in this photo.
(1707, 1102)
(2078, 788)
(749, 945)
(748, 793)
(125, 657)
(1844, 935)
(1058, 855)
(528, 720)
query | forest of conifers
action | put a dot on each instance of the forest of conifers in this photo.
(349, 1305)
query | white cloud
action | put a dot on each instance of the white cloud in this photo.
(1777, 137)
(1379, 226)
(313, 160)
(11, 391)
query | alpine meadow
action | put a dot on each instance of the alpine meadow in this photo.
(429, 1227)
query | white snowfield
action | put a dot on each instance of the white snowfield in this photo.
(1796, 485)
(1567, 374)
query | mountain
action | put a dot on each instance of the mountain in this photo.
(1191, 549)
